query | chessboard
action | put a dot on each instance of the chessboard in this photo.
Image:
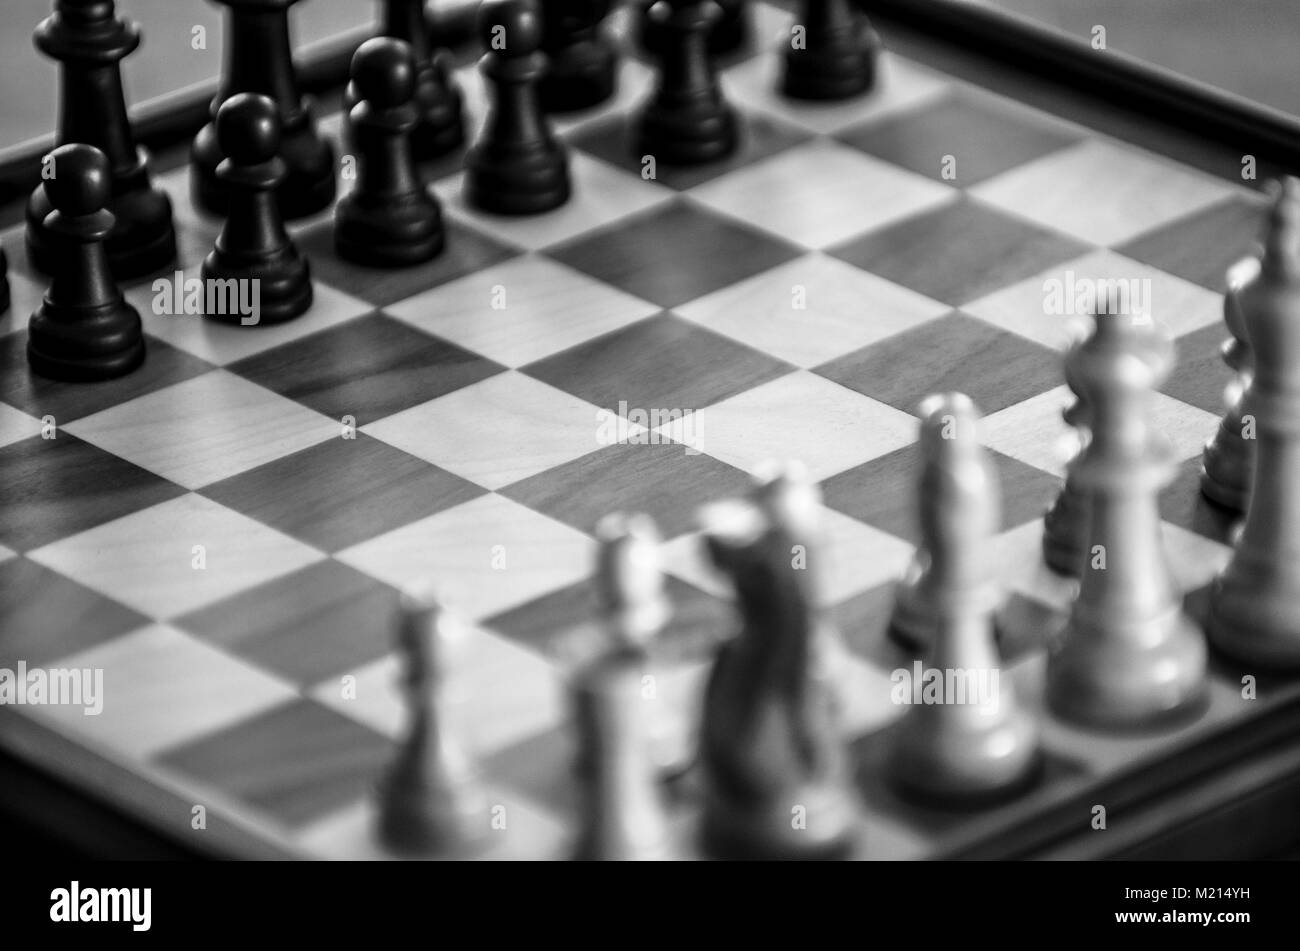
(225, 532)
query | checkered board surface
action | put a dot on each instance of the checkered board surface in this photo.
(476, 427)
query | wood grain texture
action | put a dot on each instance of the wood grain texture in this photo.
(661, 363)
(982, 134)
(342, 491)
(982, 250)
(367, 368)
(956, 353)
(296, 762)
(311, 624)
(656, 256)
(45, 616)
(57, 487)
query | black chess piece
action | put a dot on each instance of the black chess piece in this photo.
(1065, 523)
(440, 122)
(583, 64)
(84, 329)
(517, 167)
(835, 55)
(687, 121)
(89, 41)
(253, 244)
(259, 59)
(390, 218)
(4, 281)
(728, 34)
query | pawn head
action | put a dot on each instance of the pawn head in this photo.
(948, 419)
(383, 70)
(513, 27)
(248, 129)
(82, 182)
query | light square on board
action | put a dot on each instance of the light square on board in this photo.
(853, 557)
(811, 310)
(851, 193)
(801, 416)
(1101, 192)
(493, 692)
(16, 426)
(498, 431)
(542, 307)
(150, 561)
(901, 86)
(162, 687)
(208, 428)
(219, 342)
(1034, 432)
(601, 195)
(484, 556)
(1031, 308)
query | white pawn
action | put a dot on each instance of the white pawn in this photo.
(976, 742)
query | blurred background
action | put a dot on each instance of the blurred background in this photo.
(1244, 46)
(1247, 47)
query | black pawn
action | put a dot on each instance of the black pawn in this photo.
(253, 245)
(84, 329)
(390, 219)
(4, 281)
(836, 57)
(440, 126)
(517, 167)
(583, 63)
(89, 41)
(687, 120)
(727, 35)
(259, 59)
